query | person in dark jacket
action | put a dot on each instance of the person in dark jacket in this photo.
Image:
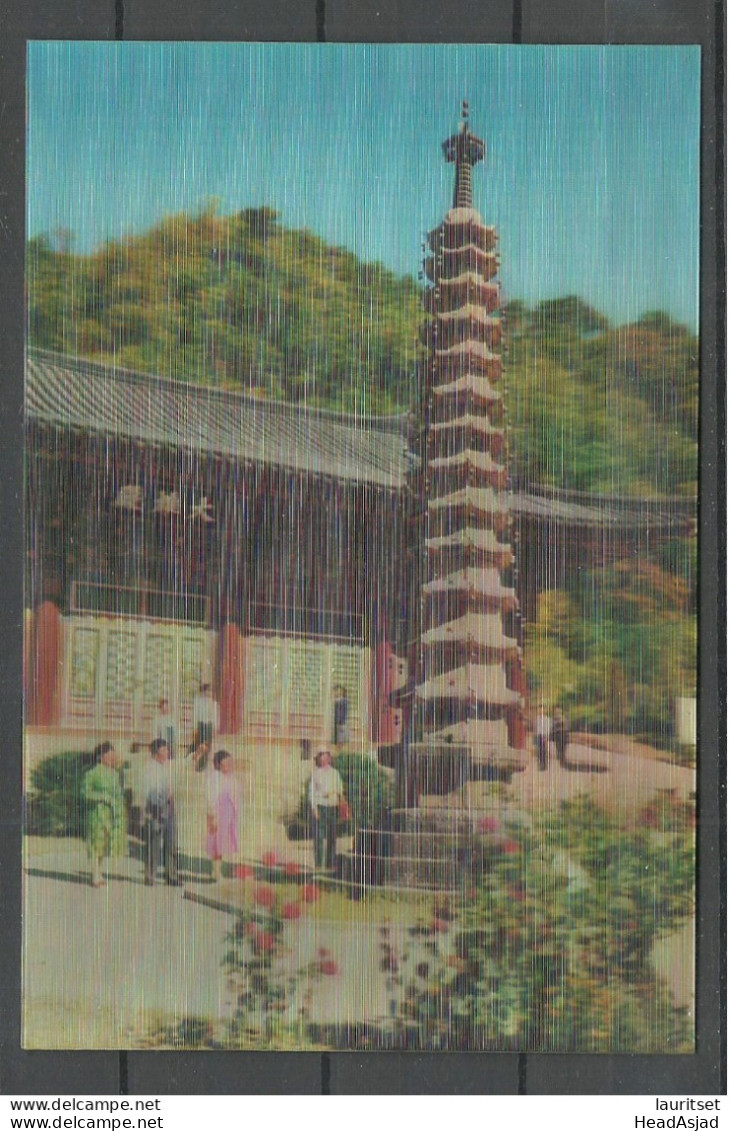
(341, 717)
(560, 734)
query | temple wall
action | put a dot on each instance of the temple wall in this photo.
(113, 671)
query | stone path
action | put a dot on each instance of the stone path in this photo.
(101, 963)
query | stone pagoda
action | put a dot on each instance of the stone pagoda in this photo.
(469, 680)
(465, 705)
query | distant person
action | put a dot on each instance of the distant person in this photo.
(341, 716)
(223, 812)
(560, 734)
(199, 752)
(160, 821)
(326, 792)
(165, 726)
(205, 715)
(542, 731)
(102, 791)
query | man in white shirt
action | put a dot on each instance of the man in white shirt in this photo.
(326, 792)
(205, 715)
(160, 822)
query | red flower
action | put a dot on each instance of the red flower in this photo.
(489, 825)
(270, 859)
(511, 847)
(244, 872)
(329, 967)
(310, 893)
(440, 925)
(322, 952)
(264, 942)
(265, 897)
(293, 869)
(291, 911)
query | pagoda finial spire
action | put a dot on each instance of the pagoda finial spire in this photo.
(465, 150)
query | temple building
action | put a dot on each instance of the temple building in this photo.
(179, 534)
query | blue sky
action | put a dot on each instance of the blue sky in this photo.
(592, 171)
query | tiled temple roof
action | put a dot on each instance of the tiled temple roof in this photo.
(81, 396)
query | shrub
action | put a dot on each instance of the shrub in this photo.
(369, 791)
(55, 807)
(272, 1002)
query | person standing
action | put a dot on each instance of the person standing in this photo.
(223, 812)
(543, 730)
(341, 716)
(326, 792)
(165, 726)
(199, 752)
(560, 735)
(106, 824)
(205, 715)
(160, 822)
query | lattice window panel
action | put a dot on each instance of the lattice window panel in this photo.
(263, 687)
(159, 663)
(306, 676)
(84, 662)
(192, 649)
(121, 662)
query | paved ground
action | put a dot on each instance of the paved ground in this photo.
(632, 777)
(101, 963)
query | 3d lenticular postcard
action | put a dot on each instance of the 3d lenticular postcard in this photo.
(360, 547)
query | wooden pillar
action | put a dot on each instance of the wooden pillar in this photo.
(231, 689)
(45, 667)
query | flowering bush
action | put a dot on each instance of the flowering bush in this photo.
(272, 1000)
(552, 951)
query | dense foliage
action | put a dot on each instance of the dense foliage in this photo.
(240, 302)
(609, 410)
(617, 647)
(55, 807)
(243, 302)
(552, 951)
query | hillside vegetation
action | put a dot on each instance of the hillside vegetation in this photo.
(244, 302)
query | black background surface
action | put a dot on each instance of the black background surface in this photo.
(383, 21)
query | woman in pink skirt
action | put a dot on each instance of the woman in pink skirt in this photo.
(223, 812)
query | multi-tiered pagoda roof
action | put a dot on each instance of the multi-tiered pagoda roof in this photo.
(469, 687)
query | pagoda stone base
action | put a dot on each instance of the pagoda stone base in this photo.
(432, 849)
(443, 767)
(439, 847)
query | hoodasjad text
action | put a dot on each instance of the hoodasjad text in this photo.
(676, 1122)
